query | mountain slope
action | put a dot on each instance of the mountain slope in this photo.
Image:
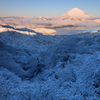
(75, 12)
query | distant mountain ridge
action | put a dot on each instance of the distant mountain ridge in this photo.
(76, 12)
(73, 17)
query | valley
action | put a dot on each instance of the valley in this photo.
(50, 58)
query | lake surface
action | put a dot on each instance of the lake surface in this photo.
(72, 31)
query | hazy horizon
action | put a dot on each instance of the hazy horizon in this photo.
(46, 7)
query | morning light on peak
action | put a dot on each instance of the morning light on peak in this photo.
(49, 50)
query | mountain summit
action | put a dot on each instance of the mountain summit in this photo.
(75, 12)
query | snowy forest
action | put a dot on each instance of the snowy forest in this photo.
(38, 64)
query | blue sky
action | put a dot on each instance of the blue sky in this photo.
(46, 7)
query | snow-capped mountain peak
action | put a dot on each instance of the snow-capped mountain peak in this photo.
(76, 12)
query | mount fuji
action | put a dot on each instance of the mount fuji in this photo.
(75, 12)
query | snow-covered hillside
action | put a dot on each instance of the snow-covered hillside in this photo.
(49, 67)
(28, 31)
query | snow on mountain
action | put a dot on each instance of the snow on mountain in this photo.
(36, 64)
(49, 67)
(73, 17)
(28, 31)
(75, 12)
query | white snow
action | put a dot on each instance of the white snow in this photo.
(75, 12)
(37, 64)
(47, 67)
(72, 17)
(30, 31)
